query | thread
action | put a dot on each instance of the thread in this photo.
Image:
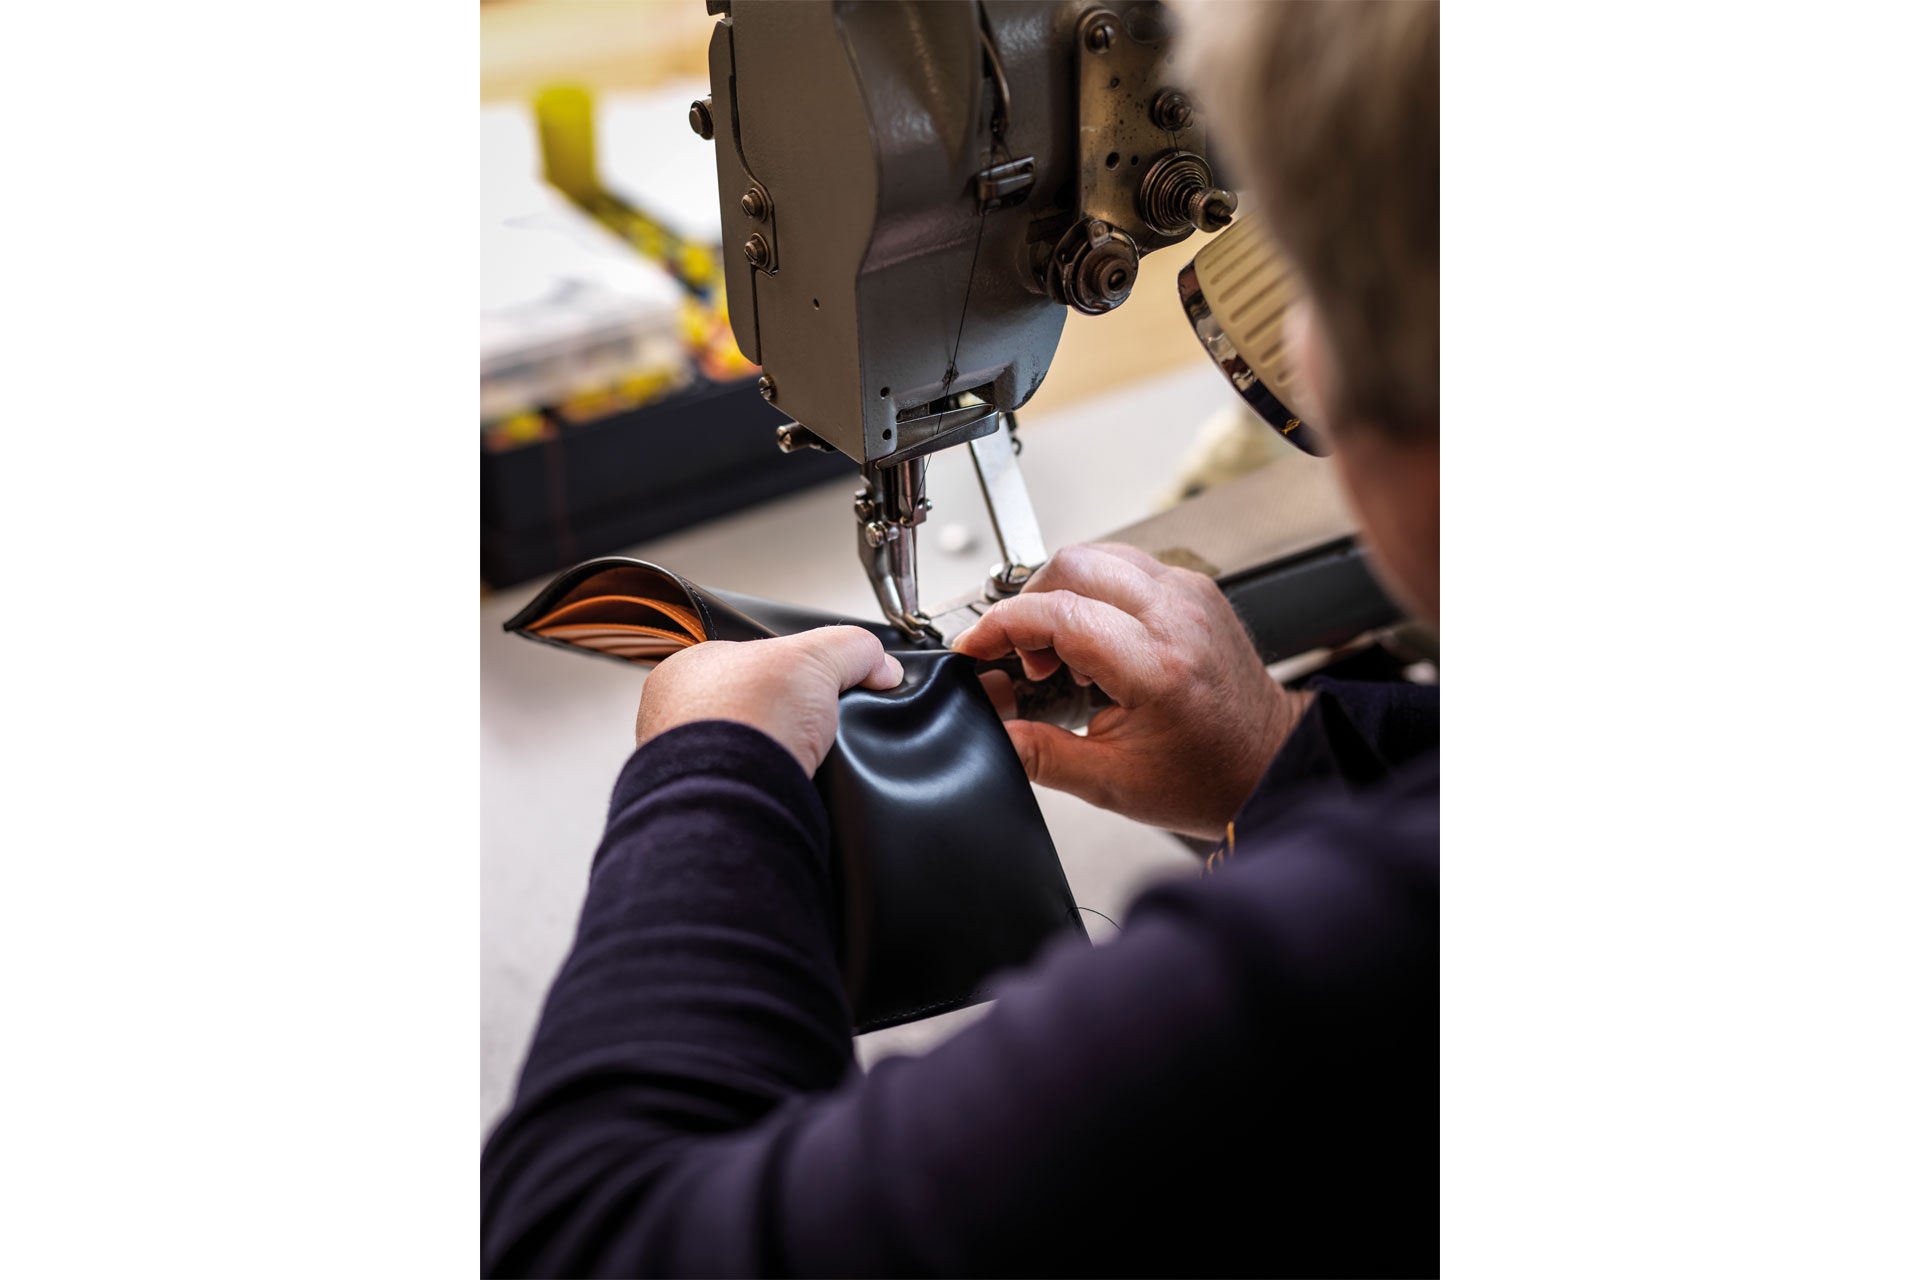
(994, 144)
(1103, 915)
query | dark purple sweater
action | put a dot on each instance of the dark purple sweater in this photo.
(1245, 1080)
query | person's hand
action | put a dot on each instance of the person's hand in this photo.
(1196, 717)
(788, 688)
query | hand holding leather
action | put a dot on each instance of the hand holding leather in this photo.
(1195, 718)
(787, 687)
(943, 868)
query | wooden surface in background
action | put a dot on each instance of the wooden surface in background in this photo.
(611, 45)
(636, 45)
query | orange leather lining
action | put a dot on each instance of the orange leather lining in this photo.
(577, 631)
(580, 611)
(639, 649)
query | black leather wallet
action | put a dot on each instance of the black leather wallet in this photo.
(944, 868)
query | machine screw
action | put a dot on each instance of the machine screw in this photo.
(793, 437)
(875, 532)
(700, 116)
(766, 387)
(1171, 110)
(753, 204)
(757, 251)
(1100, 35)
(1212, 209)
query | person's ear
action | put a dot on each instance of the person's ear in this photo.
(1306, 354)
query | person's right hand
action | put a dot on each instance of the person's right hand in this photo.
(1195, 718)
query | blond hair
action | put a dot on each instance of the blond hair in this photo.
(1329, 111)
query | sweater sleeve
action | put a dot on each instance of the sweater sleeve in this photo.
(1354, 734)
(688, 1107)
(701, 991)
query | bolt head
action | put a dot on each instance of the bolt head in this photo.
(1100, 35)
(700, 117)
(757, 251)
(1216, 210)
(766, 387)
(1171, 110)
(753, 204)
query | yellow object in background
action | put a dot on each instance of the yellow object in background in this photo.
(570, 163)
(514, 431)
(568, 156)
(709, 335)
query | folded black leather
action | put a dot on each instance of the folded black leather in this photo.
(790, 619)
(945, 870)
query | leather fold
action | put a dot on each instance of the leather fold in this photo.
(943, 866)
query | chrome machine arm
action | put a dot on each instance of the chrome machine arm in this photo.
(1015, 527)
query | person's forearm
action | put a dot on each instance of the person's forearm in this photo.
(701, 991)
(1085, 1123)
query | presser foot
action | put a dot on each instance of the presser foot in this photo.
(888, 513)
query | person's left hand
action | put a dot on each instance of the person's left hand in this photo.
(1195, 717)
(788, 688)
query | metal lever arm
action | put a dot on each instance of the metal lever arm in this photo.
(1015, 527)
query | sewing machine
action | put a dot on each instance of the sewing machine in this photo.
(912, 196)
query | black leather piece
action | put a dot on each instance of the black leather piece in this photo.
(1318, 599)
(789, 619)
(945, 870)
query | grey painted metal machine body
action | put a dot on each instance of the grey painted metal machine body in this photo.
(912, 193)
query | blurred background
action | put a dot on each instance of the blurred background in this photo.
(617, 418)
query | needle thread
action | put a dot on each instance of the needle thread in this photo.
(1103, 915)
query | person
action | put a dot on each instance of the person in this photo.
(1245, 1079)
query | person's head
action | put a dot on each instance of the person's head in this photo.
(1330, 113)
